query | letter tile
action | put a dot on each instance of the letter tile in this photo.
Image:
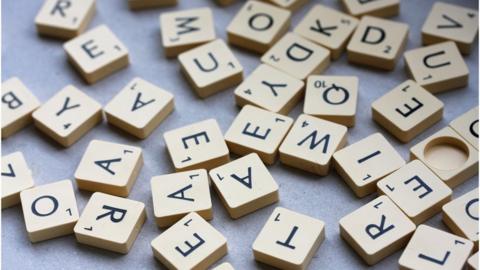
(291, 5)
(143, 4)
(224, 266)
(16, 176)
(472, 262)
(378, 8)
(467, 126)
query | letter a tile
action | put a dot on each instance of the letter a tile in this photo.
(16, 176)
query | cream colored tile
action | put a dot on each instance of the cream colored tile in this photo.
(288, 240)
(139, 108)
(358, 163)
(327, 27)
(451, 22)
(109, 167)
(49, 210)
(18, 103)
(186, 29)
(438, 67)
(258, 131)
(224, 266)
(416, 190)
(257, 26)
(289, 4)
(64, 19)
(378, 8)
(143, 4)
(211, 68)
(472, 262)
(68, 115)
(450, 157)
(177, 194)
(407, 110)
(461, 216)
(192, 243)
(16, 176)
(270, 89)
(434, 249)
(96, 53)
(310, 144)
(333, 98)
(376, 230)
(377, 42)
(244, 185)
(467, 126)
(197, 146)
(110, 222)
(297, 56)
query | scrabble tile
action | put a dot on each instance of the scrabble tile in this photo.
(358, 163)
(197, 146)
(450, 157)
(211, 68)
(186, 29)
(16, 176)
(68, 115)
(257, 26)
(407, 110)
(258, 131)
(270, 89)
(96, 53)
(224, 266)
(472, 262)
(437, 68)
(288, 240)
(64, 19)
(177, 194)
(333, 98)
(467, 126)
(244, 185)
(139, 108)
(416, 190)
(109, 167)
(18, 103)
(377, 43)
(297, 56)
(191, 243)
(451, 22)
(376, 230)
(49, 210)
(142, 4)
(289, 4)
(378, 8)
(461, 216)
(110, 222)
(327, 27)
(310, 144)
(433, 249)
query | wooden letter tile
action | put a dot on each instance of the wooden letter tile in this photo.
(64, 19)
(18, 103)
(437, 68)
(16, 176)
(310, 144)
(378, 8)
(327, 27)
(333, 98)
(433, 249)
(407, 110)
(191, 243)
(68, 115)
(358, 164)
(110, 222)
(211, 68)
(448, 155)
(257, 26)
(96, 53)
(177, 194)
(288, 240)
(473, 262)
(297, 56)
(142, 4)
(451, 22)
(376, 230)
(270, 89)
(49, 210)
(224, 266)
(467, 126)
(197, 146)
(259, 131)
(139, 108)
(377, 42)
(244, 185)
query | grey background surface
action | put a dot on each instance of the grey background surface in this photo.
(41, 64)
